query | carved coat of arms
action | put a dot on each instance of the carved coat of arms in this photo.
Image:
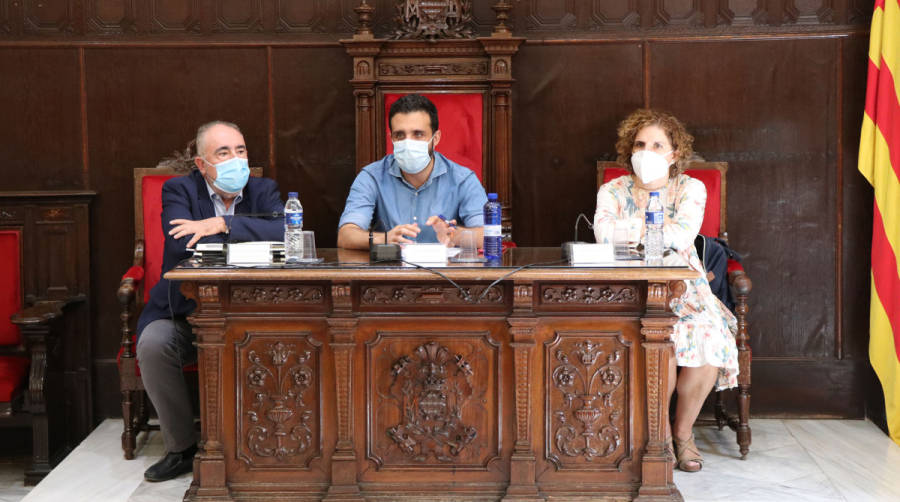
(432, 19)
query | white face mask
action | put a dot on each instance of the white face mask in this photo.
(650, 166)
(412, 156)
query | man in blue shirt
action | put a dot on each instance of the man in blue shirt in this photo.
(414, 194)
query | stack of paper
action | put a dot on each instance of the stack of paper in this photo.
(424, 253)
(252, 253)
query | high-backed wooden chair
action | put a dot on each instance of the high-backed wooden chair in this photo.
(134, 291)
(713, 176)
(469, 79)
(28, 335)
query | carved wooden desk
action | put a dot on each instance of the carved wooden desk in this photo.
(384, 382)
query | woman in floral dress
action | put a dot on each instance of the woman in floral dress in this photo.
(654, 146)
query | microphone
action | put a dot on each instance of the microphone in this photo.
(567, 246)
(382, 252)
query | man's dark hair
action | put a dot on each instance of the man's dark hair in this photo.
(415, 103)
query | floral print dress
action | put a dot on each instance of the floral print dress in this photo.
(704, 333)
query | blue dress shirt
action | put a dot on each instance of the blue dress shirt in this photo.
(380, 197)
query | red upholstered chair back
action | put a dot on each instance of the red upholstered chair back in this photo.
(712, 174)
(154, 241)
(461, 117)
(10, 284)
(148, 184)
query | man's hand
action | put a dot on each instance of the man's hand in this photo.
(401, 234)
(444, 229)
(199, 228)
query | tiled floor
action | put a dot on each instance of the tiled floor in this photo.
(807, 460)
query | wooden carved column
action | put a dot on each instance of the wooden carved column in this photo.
(363, 52)
(501, 47)
(363, 48)
(341, 328)
(522, 324)
(209, 327)
(656, 328)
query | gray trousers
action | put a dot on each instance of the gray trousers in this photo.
(163, 349)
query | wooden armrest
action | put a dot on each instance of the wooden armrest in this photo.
(43, 311)
(127, 291)
(740, 282)
(132, 279)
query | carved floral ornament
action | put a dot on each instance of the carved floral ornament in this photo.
(589, 294)
(588, 419)
(280, 414)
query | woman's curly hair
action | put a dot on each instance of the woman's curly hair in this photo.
(681, 140)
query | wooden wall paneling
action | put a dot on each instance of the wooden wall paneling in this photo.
(856, 216)
(541, 15)
(567, 101)
(776, 128)
(40, 135)
(810, 11)
(680, 12)
(294, 17)
(483, 17)
(825, 388)
(315, 133)
(173, 16)
(614, 14)
(8, 9)
(743, 12)
(239, 16)
(105, 17)
(50, 16)
(859, 11)
(347, 18)
(774, 12)
(143, 104)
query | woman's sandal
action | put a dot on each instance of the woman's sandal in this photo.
(685, 453)
(670, 449)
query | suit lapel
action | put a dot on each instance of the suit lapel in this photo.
(204, 202)
(243, 206)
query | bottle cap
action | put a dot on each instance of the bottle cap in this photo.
(292, 195)
(492, 196)
(654, 194)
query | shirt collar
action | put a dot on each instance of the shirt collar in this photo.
(214, 196)
(440, 167)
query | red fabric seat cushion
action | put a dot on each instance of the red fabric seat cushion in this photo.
(12, 375)
(461, 120)
(10, 285)
(712, 178)
(154, 240)
(187, 369)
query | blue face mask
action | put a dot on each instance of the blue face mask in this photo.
(412, 156)
(231, 175)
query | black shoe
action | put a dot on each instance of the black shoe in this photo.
(172, 465)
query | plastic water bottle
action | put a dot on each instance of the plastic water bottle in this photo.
(493, 246)
(293, 229)
(653, 218)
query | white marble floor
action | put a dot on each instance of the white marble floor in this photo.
(805, 460)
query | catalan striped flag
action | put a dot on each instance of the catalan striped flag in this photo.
(879, 162)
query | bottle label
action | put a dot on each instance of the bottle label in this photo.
(293, 219)
(492, 231)
(653, 218)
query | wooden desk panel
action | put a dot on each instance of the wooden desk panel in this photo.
(391, 385)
